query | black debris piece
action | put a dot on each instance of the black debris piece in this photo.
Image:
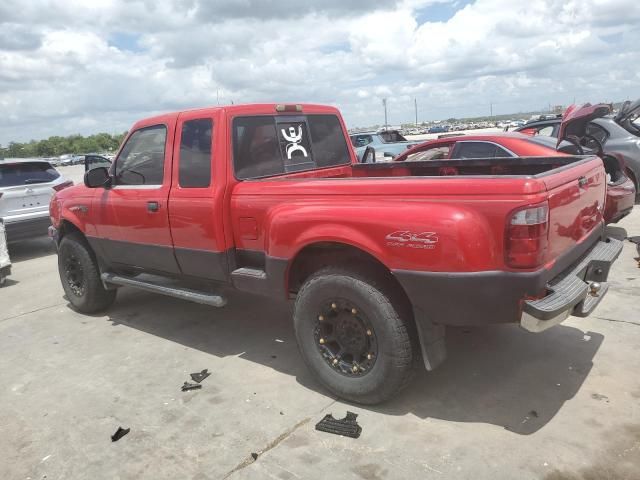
(200, 376)
(533, 414)
(274, 356)
(190, 386)
(347, 427)
(254, 455)
(121, 432)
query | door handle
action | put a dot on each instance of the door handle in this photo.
(153, 206)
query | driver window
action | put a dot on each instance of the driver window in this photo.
(141, 161)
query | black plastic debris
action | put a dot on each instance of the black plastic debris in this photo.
(254, 455)
(121, 432)
(200, 376)
(347, 427)
(190, 386)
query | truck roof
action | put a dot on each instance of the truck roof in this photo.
(247, 109)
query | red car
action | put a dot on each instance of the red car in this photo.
(620, 190)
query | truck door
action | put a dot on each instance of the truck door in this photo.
(132, 217)
(197, 197)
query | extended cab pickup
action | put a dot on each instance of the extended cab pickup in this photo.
(270, 199)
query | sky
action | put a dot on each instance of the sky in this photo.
(72, 66)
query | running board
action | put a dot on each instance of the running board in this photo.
(183, 293)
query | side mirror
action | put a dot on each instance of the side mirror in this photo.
(98, 177)
(369, 155)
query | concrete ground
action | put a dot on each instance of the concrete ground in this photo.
(561, 405)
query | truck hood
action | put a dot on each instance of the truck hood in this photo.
(575, 119)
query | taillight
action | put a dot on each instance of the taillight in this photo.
(526, 238)
(63, 185)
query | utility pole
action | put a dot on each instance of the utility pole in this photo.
(384, 104)
(491, 109)
(415, 103)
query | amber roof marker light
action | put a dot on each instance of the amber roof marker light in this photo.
(288, 108)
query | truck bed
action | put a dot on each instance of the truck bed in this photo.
(520, 166)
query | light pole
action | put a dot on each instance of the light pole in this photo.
(384, 104)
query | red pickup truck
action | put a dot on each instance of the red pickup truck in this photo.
(379, 258)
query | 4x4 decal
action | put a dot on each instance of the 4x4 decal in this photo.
(406, 238)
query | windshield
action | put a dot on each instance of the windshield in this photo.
(26, 173)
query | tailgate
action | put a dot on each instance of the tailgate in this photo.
(24, 199)
(576, 204)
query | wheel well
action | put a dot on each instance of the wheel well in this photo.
(66, 227)
(319, 255)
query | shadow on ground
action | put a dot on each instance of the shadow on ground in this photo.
(499, 375)
(24, 250)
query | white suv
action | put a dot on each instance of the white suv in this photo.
(26, 187)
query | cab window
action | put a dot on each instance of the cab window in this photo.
(361, 140)
(272, 145)
(195, 153)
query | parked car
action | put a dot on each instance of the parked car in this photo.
(26, 187)
(620, 189)
(617, 135)
(387, 143)
(5, 261)
(270, 199)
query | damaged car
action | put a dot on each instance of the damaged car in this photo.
(616, 135)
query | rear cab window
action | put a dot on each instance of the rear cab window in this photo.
(270, 145)
(361, 140)
(26, 173)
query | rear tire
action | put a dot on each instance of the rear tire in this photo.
(352, 335)
(80, 276)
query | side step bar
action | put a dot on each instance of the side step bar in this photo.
(183, 293)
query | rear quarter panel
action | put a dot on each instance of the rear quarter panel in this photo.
(444, 224)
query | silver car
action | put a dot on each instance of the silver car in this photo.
(26, 187)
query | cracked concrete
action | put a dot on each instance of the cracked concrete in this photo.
(68, 381)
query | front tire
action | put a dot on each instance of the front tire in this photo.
(80, 276)
(352, 335)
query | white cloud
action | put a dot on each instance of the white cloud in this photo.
(62, 69)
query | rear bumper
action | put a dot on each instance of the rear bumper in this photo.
(489, 297)
(30, 228)
(577, 291)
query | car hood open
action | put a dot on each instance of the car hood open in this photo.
(628, 110)
(576, 118)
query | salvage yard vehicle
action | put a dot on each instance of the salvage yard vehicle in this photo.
(388, 143)
(616, 135)
(26, 188)
(5, 261)
(621, 192)
(271, 199)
